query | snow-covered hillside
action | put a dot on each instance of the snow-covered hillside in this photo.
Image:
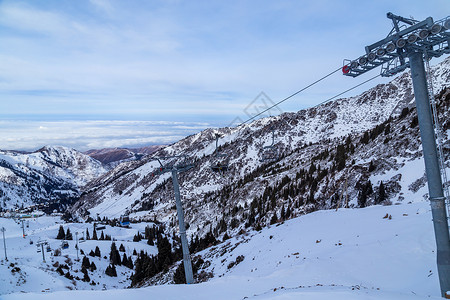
(350, 146)
(25, 270)
(378, 252)
(50, 174)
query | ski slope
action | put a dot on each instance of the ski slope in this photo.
(348, 254)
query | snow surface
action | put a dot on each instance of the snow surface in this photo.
(348, 254)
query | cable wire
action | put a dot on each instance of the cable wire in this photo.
(348, 90)
(292, 95)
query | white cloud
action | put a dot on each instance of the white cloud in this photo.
(104, 5)
(84, 135)
(178, 59)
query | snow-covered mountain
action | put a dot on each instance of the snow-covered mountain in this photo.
(50, 174)
(363, 150)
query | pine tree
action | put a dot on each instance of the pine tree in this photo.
(137, 237)
(61, 234)
(288, 212)
(164, 252)
(102, 237)
(362, 199)
(93, 267)
(86, 277)
(88, 237)
(114, 256)
(365, 138)
(179, 276)
(125, 261)
(111, 271)
(340, 158)
(97, 251)
(274, 218)
(94, 235)
(69, 235)
(121, 248)
(85, 263)
(381, 193)
(68, 275)
(130, 262)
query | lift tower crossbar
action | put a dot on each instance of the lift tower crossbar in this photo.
(401, 49)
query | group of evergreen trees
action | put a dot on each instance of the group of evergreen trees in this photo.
(147, 266)
(116, 260)
(85, 266)
(64, 235)
(365, 190)
(68, 235)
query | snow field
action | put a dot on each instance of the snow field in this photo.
(36, 276)
(349, 254)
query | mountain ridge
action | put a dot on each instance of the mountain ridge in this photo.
(320, 149)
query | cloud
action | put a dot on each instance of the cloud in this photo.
(104, 5)
(84, 135)
(181, 60)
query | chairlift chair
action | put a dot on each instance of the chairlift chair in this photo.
(124, 221)
(49, 248)
(269, 153)
(219, 161)
(98, 226)
(64, 245)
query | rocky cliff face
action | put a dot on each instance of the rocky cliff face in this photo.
(111, 157)
(362, 150)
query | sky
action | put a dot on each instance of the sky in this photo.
(108, 73)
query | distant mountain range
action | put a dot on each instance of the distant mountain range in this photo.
(52, 175)
(56, 175)
(114, 156)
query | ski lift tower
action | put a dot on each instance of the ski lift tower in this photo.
(408, 46)
(175, 169)
(42, 244)
(4, 243)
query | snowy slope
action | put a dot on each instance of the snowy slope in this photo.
(49, 174)
(308, 137)
(36, 276)
(348, 254)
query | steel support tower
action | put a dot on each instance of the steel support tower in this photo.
(175, 169)
(4, 242)
(407, 47)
